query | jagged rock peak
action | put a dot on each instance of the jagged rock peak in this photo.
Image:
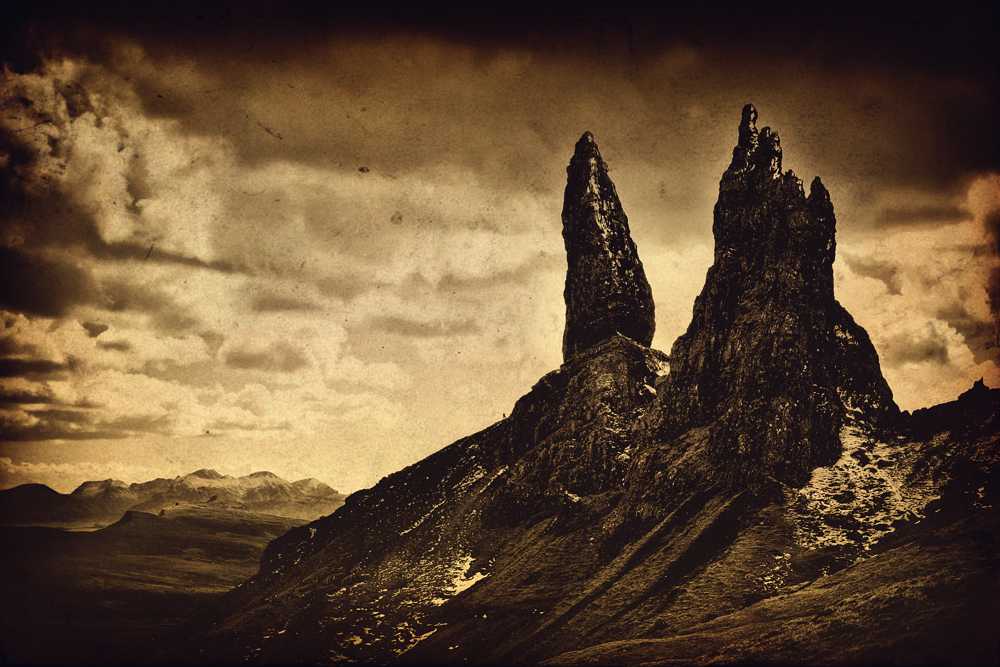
(606, 289)
(748, 129)
(763, 217)
(771, 362)
(756, 151)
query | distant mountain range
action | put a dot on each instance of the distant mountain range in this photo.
(105, 501)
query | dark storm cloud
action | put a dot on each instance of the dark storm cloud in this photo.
(979, 335)
(209, 58)
(934, 215)
(992, 225)
(37, 213)
(400, 92)
(32, 368)
(415, 329)
(928, 34)
(66, 424)
(94, 329)
(274, 302)
(280, 357)
(31, 283)
(871, 268)
(115, 345)
(907, 348)
(48, 241)
(20, 157)
(29, 395)
(13, 345)
(168, 316)
(993, 291)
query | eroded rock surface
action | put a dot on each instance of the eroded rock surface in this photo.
(606, 288)
(771, 363)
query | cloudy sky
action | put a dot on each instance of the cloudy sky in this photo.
(327, 242)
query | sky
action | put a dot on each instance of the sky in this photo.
(326, 241)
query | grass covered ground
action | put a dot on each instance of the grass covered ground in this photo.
(100, 597)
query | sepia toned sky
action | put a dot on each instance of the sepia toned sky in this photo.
(326, 242)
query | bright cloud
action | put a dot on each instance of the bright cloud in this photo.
(926, 307)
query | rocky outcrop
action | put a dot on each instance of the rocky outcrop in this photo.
(621, 506)
(606, 288)
(771, 363)
(570, 435)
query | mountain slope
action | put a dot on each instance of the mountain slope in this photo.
(932, 600)
(628, 498)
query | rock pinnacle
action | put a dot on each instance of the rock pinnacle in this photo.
(771, 362)
(606, 289)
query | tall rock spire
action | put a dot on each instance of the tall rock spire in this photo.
(771, 362)
(606, 288)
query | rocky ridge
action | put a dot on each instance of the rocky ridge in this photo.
(635, 509)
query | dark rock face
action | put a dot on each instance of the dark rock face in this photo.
(771, 362)
(606, 289)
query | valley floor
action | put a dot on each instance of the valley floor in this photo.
(102, 597)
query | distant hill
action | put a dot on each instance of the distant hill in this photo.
(102, 502)
(38, 504)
